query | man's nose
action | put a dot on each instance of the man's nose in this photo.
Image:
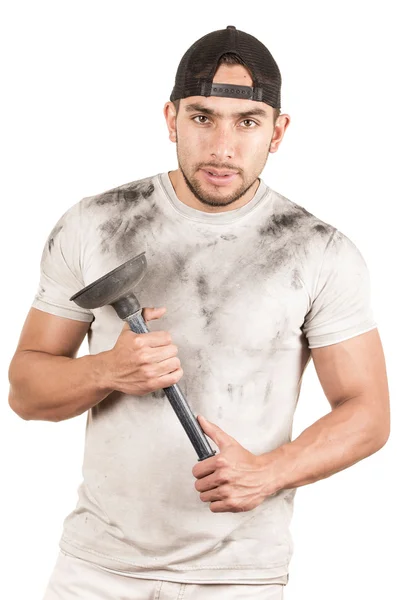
(222, 145)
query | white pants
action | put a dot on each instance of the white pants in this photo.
(73, 578)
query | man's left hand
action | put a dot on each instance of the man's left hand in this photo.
(233, 480)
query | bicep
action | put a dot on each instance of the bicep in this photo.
(353, 368)
(44, 332)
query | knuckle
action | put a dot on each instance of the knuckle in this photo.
(221, 477)
(152, 385)
(144, 356)
(226, 491)
(147, 371)
(173, 378)
(220, 462)
(176, 375)
(138, 342)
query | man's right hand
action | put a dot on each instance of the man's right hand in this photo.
(140, 363)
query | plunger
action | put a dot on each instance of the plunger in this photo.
(116, 288)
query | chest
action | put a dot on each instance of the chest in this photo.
(221, 290)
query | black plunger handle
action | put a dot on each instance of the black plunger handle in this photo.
(177, 400)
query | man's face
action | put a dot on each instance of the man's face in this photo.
(223, 134)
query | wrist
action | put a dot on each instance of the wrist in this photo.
(101, 371)
(275, 468)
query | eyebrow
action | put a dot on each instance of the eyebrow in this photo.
(196, 107)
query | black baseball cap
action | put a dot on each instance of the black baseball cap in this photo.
(197, 68)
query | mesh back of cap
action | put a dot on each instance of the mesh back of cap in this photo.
(199, 64)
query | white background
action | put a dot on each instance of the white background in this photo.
(84, 84)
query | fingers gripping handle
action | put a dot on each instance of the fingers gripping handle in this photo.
(177, 400)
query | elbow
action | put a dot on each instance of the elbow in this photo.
(383, 437)
(14, 399)
(28, 412)
(380, 434)
(374, 421)
(384, 425)
(18, 402)
(24, 402)
(17, 406)
(18, 396)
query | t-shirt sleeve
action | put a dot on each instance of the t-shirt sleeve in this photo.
(60, 270)
(341, 304)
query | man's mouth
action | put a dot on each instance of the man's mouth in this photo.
(219, 177)
(218, 173)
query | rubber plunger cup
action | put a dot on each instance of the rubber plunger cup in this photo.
(116, 288)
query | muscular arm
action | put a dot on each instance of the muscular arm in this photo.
(353, 376)
(47, 382)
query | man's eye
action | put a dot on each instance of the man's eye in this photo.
(203, 119)
(249, 121)
(199, 117)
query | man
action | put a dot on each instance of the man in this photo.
(251, 287)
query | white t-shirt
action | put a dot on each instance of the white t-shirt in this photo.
(248, 293)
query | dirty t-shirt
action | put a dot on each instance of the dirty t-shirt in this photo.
(248, 293)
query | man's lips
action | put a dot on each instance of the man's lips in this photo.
(219, 171)
(218, 178)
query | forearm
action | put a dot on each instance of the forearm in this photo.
(53, 388)
(338, 440)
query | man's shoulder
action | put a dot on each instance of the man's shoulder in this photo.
(295, 219)
(126, 194)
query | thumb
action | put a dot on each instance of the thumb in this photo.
(150, 314)
(217, 435)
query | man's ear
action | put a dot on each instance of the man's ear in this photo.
(170, 117)
(279, 130)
